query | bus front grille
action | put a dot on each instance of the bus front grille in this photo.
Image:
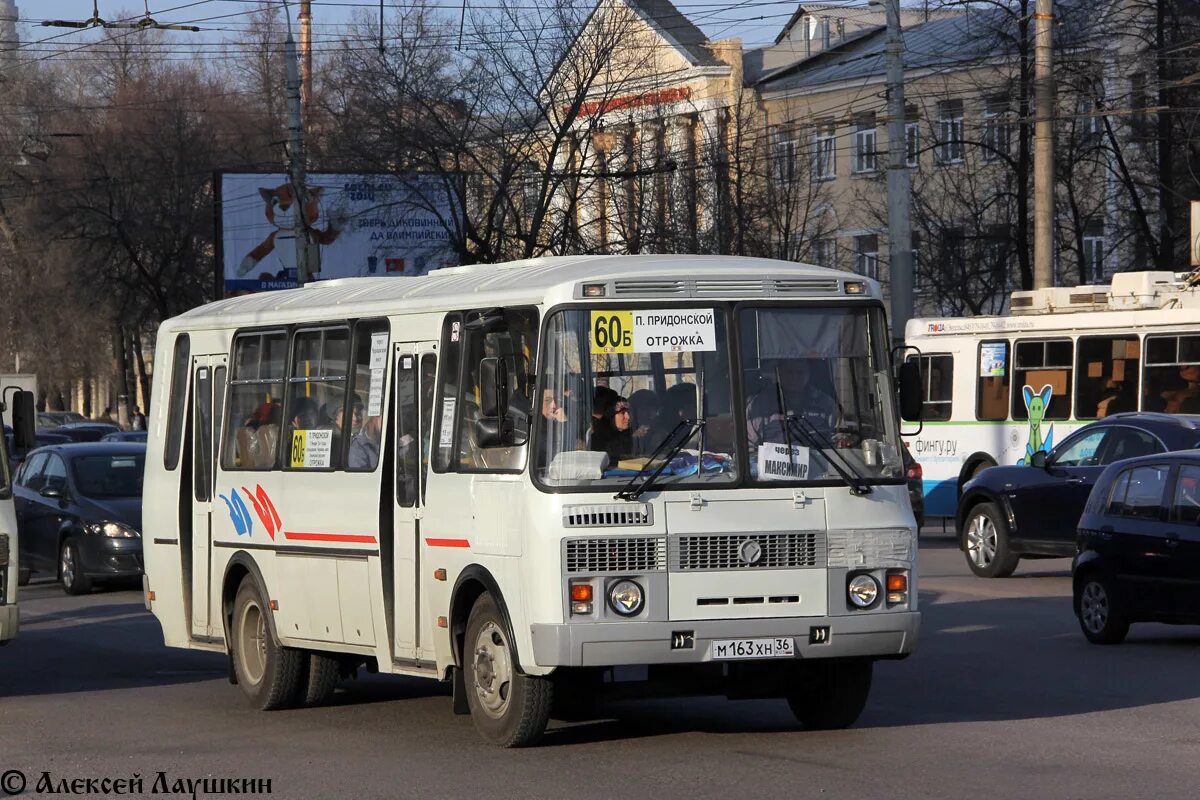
(789, 550)
(633, 554)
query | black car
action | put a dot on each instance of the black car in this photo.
(41, 439)
(1011, 512)
(124, 436)
(1139, 547)
(86, 431)
(79, 512)
(915, 476)
(52, 419)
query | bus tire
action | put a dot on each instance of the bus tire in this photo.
(321, 679)
(268, 672)
(830, 694)
(509, 709)
(985, 542)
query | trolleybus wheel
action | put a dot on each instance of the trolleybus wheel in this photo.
(268, 672)
(830, 694)
(985, 543)
(508, 708)
(322, 678)
(70, 569)
(1098, 607)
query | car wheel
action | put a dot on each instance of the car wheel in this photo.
(322, 678)
(70, 569)
(985, 543)
(268, 673)
(508, 708)
(830, 694)
(1098, 607)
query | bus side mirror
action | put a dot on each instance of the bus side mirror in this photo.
(909, 386)
(494, 428)
(24, 417)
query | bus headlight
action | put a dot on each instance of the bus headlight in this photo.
(626, 598)
(863, 591)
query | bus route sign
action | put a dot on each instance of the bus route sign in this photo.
(676, 330)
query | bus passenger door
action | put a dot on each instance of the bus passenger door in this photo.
(209, 375)
(416, 367)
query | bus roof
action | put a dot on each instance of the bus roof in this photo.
(641, 277)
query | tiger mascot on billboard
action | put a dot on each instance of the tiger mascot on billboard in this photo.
(279, 203)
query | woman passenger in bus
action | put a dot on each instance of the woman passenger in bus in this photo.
(613, 432)
(1185, 399)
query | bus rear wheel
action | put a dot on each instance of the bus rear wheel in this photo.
(269, 673)
(321, 678)
(508, 708)
(830, 694)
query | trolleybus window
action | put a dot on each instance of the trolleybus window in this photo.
(1106, 377)
(1042, 385)
(991, 399)
(255, 416)
(937, 386)
(1172, 376)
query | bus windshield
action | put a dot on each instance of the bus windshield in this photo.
(814, 387)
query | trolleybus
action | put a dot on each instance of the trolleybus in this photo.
(538, 480)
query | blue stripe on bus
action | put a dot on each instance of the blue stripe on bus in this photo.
(941, 497)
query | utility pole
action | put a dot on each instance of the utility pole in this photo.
(296, 154)
(1043, 147)
(306, 56)
(899, 182)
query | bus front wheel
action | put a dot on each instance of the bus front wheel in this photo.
(508, 708)
(830, 694)
(269, 673)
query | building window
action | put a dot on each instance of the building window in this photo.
(825, 252)
(918, 274)
(912, 139)
(950, 132)
(952, 258)
(824, 165)
(996, 128)
(1138, 102)
(866, 256)
(998, 252)
(1092, 120)
(784, 161)
(530, 189)
(1093, 251)
(864, 143)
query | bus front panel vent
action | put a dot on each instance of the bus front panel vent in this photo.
(650, 288)
(608, 516)
(627, 554)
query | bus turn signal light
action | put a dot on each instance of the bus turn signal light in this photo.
(897, 583)
(439, 574)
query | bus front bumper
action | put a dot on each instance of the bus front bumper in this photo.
(10, 622)
(882, 635)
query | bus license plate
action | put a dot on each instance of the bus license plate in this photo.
(753, 648)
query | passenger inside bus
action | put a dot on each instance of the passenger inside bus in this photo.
(364, 445)
(259, 434)
(612, 432)
(804, 393)
(1119, 396)
(1184, 399)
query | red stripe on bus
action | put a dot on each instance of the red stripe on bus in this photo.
(330, 537)
(447, 543)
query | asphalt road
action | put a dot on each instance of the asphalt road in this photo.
(1004, 698)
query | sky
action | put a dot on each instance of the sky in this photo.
(756, 21)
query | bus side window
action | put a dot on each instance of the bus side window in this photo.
(358, 423)
(180, 368)
(316, 398)
(428, 385)
(1045, 368)
(447, 399)
(408, 437)
(1172, 375)
(991, 399)
(937, 387)
(255, 414)
(1106, 382)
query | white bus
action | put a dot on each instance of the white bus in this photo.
(534, 478)
(19, 404)
(998, 389)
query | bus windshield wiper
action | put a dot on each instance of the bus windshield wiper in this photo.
(813, 437)
(683, 432)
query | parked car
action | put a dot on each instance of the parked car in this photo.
(79, 512)
(86, 431)
(1139, 547)
(52, 419)
(41, 439)
(916, 486)
(124, 436)
(1007, 513)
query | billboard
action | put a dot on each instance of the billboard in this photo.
(359, 224)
